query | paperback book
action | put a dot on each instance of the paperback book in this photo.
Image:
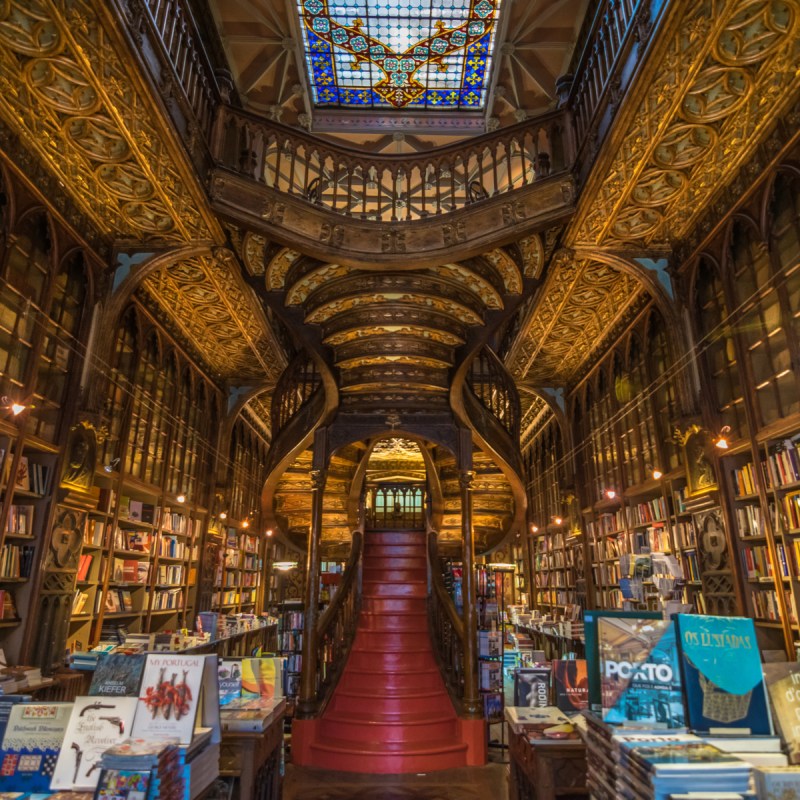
(94, 726)
(777, 783)
(118, 674)
(229, 673)
(783, 687)
(721, 670)
(532, 687)
(571, 684)
(123, 784)
(169, 697)
(640, 673)
(31, 745)
(262, 677)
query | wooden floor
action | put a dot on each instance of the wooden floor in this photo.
(467, 783)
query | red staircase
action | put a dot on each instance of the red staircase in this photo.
(390, 712)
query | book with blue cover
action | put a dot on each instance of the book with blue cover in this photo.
(722, 676)
(590, 618)
(31, 744)
(640, 673)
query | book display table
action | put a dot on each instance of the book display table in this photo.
(544, 770)
(255, 759)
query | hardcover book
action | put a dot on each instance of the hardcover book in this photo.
(229, 673)
(532, 687)
(590, 618)
(31, 744)
(262, 677)
(783, 687)
(640, 673)
(777, 783)
(94, 726)
(118, 674)
(722, 678)
(571, 684)
(169, 697)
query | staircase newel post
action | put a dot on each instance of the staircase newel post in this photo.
(472, 706)
(307, 700)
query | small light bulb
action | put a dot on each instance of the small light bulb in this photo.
(657, 473)
(246, 523)
(722, 443)
(610, 494)
(17, 409)
(223, 515)
(269, 532)
(181, 498)
(558, 520)
(534, 528)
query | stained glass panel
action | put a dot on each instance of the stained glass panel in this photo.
(415, 53)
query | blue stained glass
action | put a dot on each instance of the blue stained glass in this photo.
(399, 53)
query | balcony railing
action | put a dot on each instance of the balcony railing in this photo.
(391, 188)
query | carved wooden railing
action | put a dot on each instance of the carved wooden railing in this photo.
(606, 46)
(336, 628)
(446, 627)
(391, 188)
(494, 387)
(297, 385)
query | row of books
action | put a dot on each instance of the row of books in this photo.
(171, 546)
(650, 511)
(166, 599)
(20, 520)
(16, 561)
(765, 605)
(31, 475)
(170, 574)
(8, 607)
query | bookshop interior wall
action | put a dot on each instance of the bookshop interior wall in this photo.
(442, 386)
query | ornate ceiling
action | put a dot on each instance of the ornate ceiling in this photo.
(72, 91)
(262, 42)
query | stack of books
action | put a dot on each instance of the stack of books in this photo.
(152, 767)
(658, 767)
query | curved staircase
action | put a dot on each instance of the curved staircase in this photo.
(390, 712)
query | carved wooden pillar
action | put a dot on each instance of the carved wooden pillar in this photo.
(306, 707)
(472, 705)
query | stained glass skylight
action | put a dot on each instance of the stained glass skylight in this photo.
(415, 54)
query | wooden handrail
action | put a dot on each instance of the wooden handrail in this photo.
(336, 630)
(446, 627)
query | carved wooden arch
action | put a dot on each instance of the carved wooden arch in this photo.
(790, 167)
(432, 475)
(229, 418)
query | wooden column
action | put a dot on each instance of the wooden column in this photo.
(307, 701)
(472, 704)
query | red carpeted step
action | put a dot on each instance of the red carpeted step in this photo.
(399, 640)
(391, 661)
(422, 679)
(393, 551)
(370, 621)
(392, 702)
(394, 575)
(389, 759)
(381, 563)
(374, 588)
(394, 605)
(423, 726)
(396, 537)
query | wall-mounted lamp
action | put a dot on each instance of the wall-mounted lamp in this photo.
(13, 406)
(111, 466)
(181, 498)
(246, 523)
(722, 440)
(268, 533)
(611, 494)
(557, 520)
(655, 472)
(534, 528)
(284, 566)
(223, 515)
